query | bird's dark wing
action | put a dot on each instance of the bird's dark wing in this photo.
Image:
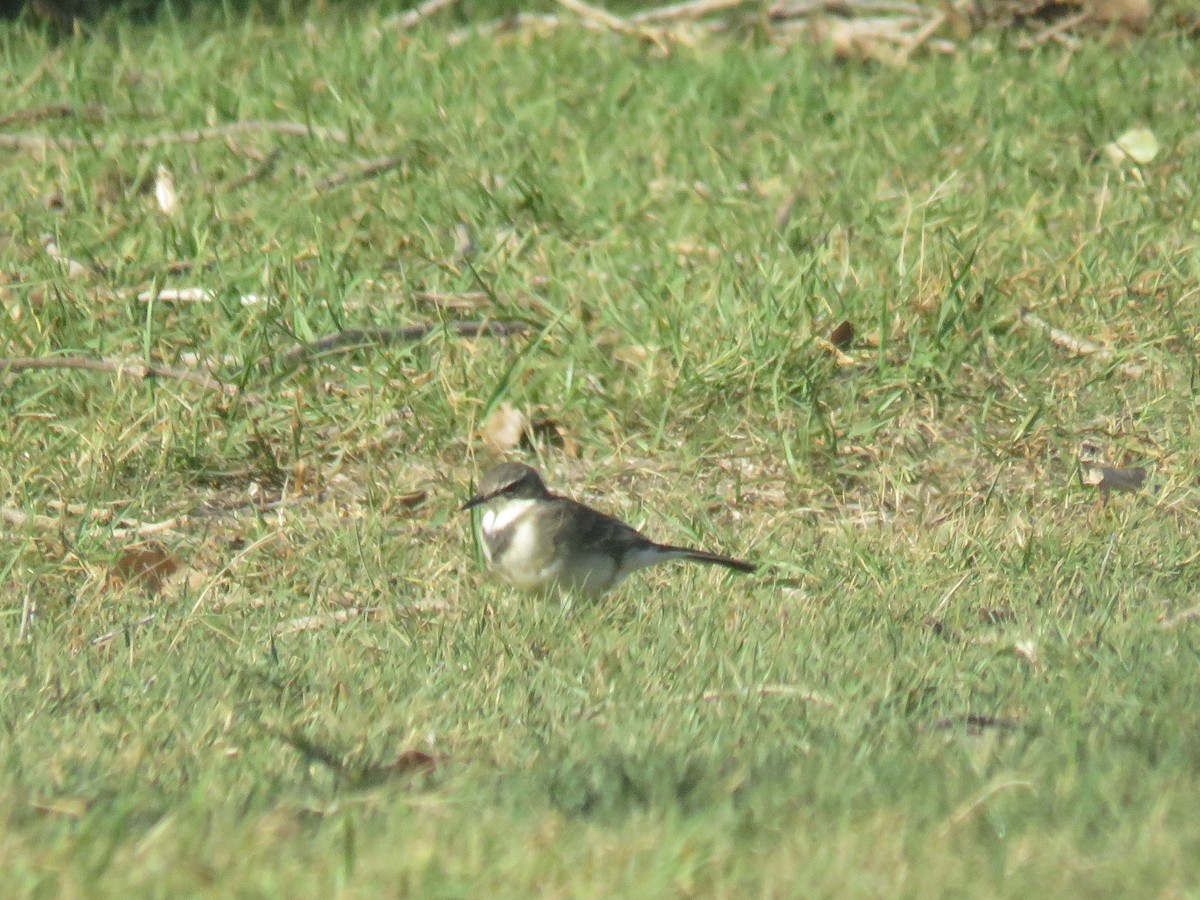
(575, 525)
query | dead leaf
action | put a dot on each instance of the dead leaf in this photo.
(1134, 14)
(71, 807)
(164, 192)
(631, 355)
(549, 433)
(1138, 145)
(503, 429)
(464, 244)
(411, 499)
(995, 615)
(146, 566)
(75, 269)
(411, 761)
(842, 335)
(1028, 649)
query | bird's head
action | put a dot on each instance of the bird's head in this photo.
(509, 481)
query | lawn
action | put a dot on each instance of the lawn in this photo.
(250, 647)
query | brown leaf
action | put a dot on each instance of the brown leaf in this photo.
(631, 355)
(71, 807)
(412, 761)
(503, 429)
(1134, 14)
(411, 499)
(842, 336)
(995, 615)
(549, 433)
(145, 565)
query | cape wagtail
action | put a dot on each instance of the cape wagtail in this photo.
(540, 541)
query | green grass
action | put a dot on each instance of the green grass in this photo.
(959, 673)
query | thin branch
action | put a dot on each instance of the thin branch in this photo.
(798, 9)
(18, 518)
(191, 136)
(967, 809)
(355, 338)
(689, 9)
(459, 299)
(1062, 26)
(612, 22)
(126, 628)
(360, 171)
(118, 367)
(924, 33)
(91, 111)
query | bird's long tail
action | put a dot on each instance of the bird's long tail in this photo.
(703, 556)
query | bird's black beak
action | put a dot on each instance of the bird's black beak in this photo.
(476, 500)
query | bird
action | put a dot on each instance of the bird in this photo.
(542, 542)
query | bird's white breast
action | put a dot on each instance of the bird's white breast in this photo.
(496, 520)
(518, 557)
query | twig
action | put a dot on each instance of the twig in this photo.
(28, 610)
(612, 22)
(129, 626)
(135, 368)
(891, 28)
(924, 33)
(140, 529)
(689, 9)
(191, 136)
(413, 17)
(19, 518)
(948, 595)
(264, 168)
(1061, 27)
(353, 338)
(93, 112)
(1077, 345)
(177, 295)
(460, 300)
(47, 62)
(983, 798)
(360, 171)
(848, 8)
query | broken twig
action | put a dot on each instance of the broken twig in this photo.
(360, 171)
(118, 367)
(1077, 345)
(354, 338)
(19, 518)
